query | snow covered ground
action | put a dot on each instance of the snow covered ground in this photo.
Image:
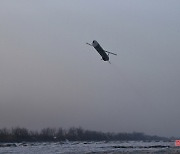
(90, 147)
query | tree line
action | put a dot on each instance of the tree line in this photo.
(73, 134)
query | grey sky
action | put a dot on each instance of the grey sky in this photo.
(49, 77)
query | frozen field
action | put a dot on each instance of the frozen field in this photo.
(89, 147)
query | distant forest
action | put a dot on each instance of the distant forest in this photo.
(73, 134)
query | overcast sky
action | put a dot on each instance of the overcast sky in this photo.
(49, 77)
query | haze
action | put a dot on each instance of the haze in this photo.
(49, 77)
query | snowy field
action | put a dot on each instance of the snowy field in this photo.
(89, 147)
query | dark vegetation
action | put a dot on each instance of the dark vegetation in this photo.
(73, 134)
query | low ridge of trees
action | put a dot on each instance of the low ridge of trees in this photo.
(73, 134)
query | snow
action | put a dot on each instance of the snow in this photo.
(88, 147)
